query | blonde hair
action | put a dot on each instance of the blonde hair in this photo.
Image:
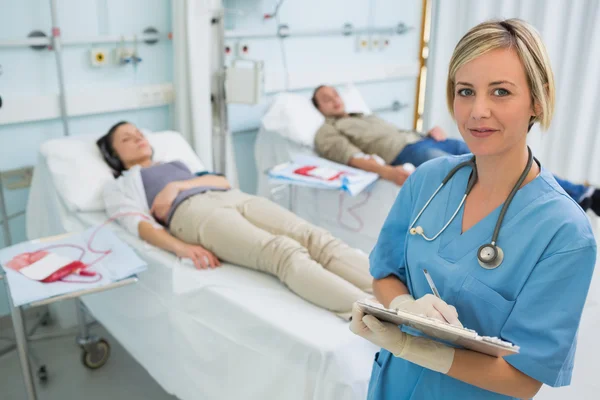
(526, 41)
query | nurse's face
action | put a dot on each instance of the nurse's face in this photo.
(492, 103)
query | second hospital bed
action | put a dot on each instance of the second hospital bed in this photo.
(218, 334)
(288, 130)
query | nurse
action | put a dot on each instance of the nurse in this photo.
(532, 293)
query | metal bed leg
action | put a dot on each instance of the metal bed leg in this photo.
(292, 198)
(96, 350)
(21, 343)
(23, 351)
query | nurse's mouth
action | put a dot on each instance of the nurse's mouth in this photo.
(482, 132)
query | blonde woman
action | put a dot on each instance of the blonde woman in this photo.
(505, 245)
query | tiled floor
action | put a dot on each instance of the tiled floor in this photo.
(121, 378)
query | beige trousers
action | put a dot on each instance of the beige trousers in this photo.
(256, 233)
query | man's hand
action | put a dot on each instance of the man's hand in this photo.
(437, 134)
(201, 257)
(163, 201)
(396, 174)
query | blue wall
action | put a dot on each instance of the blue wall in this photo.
(329, 53)
(28, 72)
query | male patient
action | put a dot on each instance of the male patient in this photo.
(353, 139)
(350, 139)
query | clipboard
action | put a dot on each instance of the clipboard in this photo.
(462, 337)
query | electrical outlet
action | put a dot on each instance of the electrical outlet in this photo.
(99, 57)
(385, 43)
(374, 43)
(243, 49)
(362, 43)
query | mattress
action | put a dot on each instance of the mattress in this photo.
(222, 334)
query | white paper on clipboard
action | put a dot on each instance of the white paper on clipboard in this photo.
(463, 337)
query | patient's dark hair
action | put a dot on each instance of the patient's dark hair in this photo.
(314, 96)
(105, 144)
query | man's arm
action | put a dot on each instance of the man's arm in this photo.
(394, 174)
(390, 173)
(331, 144)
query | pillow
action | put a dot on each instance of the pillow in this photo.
(79, 172)
(293, 116)
(354, 101)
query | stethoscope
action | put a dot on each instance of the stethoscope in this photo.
(489, 255)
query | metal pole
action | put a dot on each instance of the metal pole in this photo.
(221, 100)
(21, 339)
(388, 31)
(56, 45)
(4, 215)
(84, 332)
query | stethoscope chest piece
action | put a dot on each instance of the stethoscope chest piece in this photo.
(490, 256)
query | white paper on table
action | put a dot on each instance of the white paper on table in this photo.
(353, 182)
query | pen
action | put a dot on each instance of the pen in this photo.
(431, 284)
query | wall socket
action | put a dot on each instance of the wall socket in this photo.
(362, 43)
(99, 57)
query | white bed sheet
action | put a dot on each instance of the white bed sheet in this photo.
(232, 333)
(356, 220)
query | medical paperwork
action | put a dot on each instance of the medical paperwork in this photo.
(121, 263)
(433, 328)
(351, 180)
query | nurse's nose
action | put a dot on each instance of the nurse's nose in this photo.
(481, 108)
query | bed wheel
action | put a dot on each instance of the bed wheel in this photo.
(96, 354)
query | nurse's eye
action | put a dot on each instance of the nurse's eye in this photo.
(465, 92)
(501, 92)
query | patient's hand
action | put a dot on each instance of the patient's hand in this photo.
(397, 174)
(163, 201)
(201, 257)
(437, 134)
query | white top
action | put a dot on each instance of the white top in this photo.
(126, 195)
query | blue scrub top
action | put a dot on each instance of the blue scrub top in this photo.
(534, 299)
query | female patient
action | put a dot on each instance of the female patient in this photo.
(207, 220)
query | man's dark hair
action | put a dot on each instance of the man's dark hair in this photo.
(105, 144)
(314, 96)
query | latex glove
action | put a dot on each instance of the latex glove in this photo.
(424, 352)
(428, 305)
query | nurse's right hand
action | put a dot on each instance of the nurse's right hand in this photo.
(419, 350)
(428, 305)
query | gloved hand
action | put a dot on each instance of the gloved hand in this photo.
(428, 305)
(424, 352)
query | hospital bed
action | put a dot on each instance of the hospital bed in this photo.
(230, 333)
(288, 130)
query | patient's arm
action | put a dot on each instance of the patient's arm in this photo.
(395, 174)
(205, 180)
(164, 199)
(201, 257)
